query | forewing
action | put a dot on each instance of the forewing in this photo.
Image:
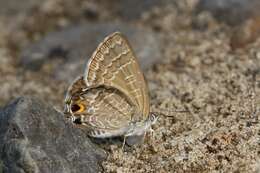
(114, 64)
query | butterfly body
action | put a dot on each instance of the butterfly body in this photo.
(111, 99)
(132, 129)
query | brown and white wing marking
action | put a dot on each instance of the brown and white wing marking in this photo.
(77, 86)
(114, 64)
(105, 110)
(73, 93)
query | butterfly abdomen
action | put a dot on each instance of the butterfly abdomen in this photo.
(99, 133)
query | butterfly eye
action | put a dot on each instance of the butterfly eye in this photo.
(77, 108)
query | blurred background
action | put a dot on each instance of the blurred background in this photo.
(49, 41)
(200, 54)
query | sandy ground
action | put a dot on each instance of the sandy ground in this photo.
(199, 72)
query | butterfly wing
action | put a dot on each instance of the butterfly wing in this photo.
(73, 92)
(106, 111)
(114, 64)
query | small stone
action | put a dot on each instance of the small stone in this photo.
(245, 33)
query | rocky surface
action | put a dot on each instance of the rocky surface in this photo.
(242, 15)
(232, 12)
(128, 10)
(72, 47)
(198, 70)
(36, 138)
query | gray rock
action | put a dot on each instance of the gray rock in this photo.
(132, 10)
(36, 138)
(232, 12)
(72, 47)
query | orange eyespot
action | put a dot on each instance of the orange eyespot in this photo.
(77, 108)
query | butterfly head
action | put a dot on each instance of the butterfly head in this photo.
(153, 118)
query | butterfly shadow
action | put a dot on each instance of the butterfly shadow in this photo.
(130, 142)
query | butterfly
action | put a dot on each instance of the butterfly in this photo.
(111, 99)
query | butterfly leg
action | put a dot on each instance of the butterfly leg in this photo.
(123, 146)
(152, 132)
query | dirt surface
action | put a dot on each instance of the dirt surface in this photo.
(199, 72)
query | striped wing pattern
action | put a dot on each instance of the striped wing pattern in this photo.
(113, 64)
(106, 110)
(112, 93)
(77, 86)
